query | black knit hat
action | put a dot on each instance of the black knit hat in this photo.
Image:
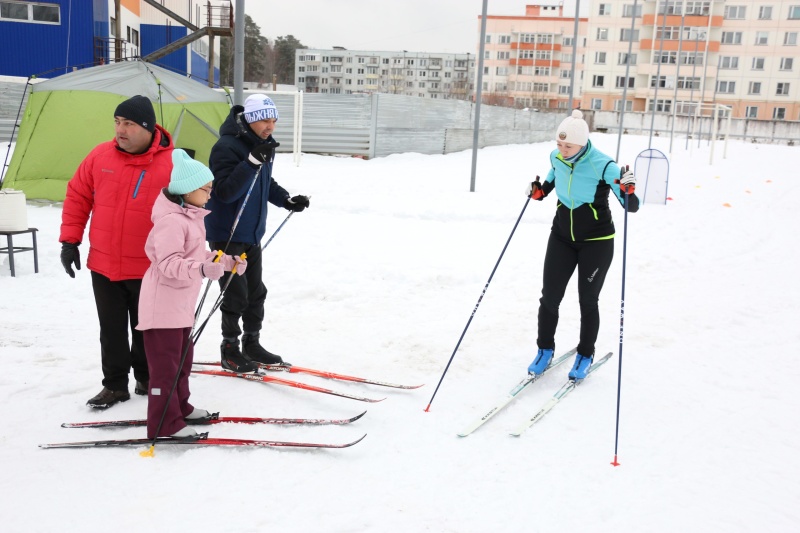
(138, 109)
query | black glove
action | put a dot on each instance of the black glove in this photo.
(296, 203)
(261, 153)
(535, 190)
(70, 255)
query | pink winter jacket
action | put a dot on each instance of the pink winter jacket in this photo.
(176, 248)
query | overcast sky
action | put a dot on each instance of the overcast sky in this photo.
(413, 25)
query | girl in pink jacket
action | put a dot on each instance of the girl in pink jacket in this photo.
(179, 262)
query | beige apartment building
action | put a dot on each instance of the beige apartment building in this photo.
(426, 75)
(528, 58)
(671, 55)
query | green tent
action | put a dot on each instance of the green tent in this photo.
(67, 116)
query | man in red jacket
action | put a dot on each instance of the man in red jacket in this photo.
(117, 184)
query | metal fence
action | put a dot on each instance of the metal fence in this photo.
(377, 125)
(765, 131)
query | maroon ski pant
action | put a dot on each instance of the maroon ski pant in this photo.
(164, 348)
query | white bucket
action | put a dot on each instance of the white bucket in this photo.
(13, 211)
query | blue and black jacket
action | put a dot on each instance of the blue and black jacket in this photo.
(582, 187)
(233, 175)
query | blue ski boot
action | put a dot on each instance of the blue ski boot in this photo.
(581, 367)
(543, 358)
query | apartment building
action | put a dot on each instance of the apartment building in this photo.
(425, 75)
(528, 58)
(674, 55)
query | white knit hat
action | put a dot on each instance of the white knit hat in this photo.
(187, 174)
(573, 129)
(259, 107)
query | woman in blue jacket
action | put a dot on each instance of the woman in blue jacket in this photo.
(582, 235)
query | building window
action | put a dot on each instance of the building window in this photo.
(604, 9)
(602, 34)
(754, 87)
(762, 38)
(758, 63)
(787, 63)
(505, 39)
(628, 105)
(735, 12)
(726, 87)
(662, 106)
(731, 37)
(568, 41)
(621, 82)
(30, 12)
(488, 39)
(563, 89)
(625, 35)
(790, 38)
(794, 14)
(698, 8)
(779, 113)
(626, 59)
(729, 62)
(598, 81)
(503, 55)
(751, 112)
(597, 104)
(765, 13)
(600, 58)
(659, 81)
(502, 71)
(782, 89)
(627, 10)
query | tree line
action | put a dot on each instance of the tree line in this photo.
(263, 58)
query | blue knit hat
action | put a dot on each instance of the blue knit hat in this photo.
(259, 107)
(187, 174)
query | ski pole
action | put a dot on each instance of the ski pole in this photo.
(285, 220)
(151, 450)
(621, 312)
(427, 409)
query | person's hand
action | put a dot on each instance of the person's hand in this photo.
(70, 255)
(212, 270)
(230, 262)
(261, 153)
(241, 265)
(627, 181)
(535, 190)
(297, 203)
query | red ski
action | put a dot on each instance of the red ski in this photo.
(199, 440)
(269, 379)
(216, 419)
(293, 369)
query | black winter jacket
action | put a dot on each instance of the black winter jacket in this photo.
(233, 176)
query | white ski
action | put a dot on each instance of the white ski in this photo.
(568, 387)
(522, 385)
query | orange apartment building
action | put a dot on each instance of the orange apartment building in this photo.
(528, 59)
(672, 55)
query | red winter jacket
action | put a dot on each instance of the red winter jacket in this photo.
(118, 189)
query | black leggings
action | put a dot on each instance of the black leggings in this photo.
(593, 259)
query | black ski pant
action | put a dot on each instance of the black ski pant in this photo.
(593, 259)
(244, 298)
(118, 309)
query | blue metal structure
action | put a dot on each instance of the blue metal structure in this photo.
(47, 38)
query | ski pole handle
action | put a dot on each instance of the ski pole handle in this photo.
(243, 256)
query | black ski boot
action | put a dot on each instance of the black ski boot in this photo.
(232, 358)
(255, 352)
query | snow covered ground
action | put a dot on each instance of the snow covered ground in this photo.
(378, 278)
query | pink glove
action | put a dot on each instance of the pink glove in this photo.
(212, 270)
(229, 262)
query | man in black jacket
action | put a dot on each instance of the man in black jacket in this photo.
(241, 161)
